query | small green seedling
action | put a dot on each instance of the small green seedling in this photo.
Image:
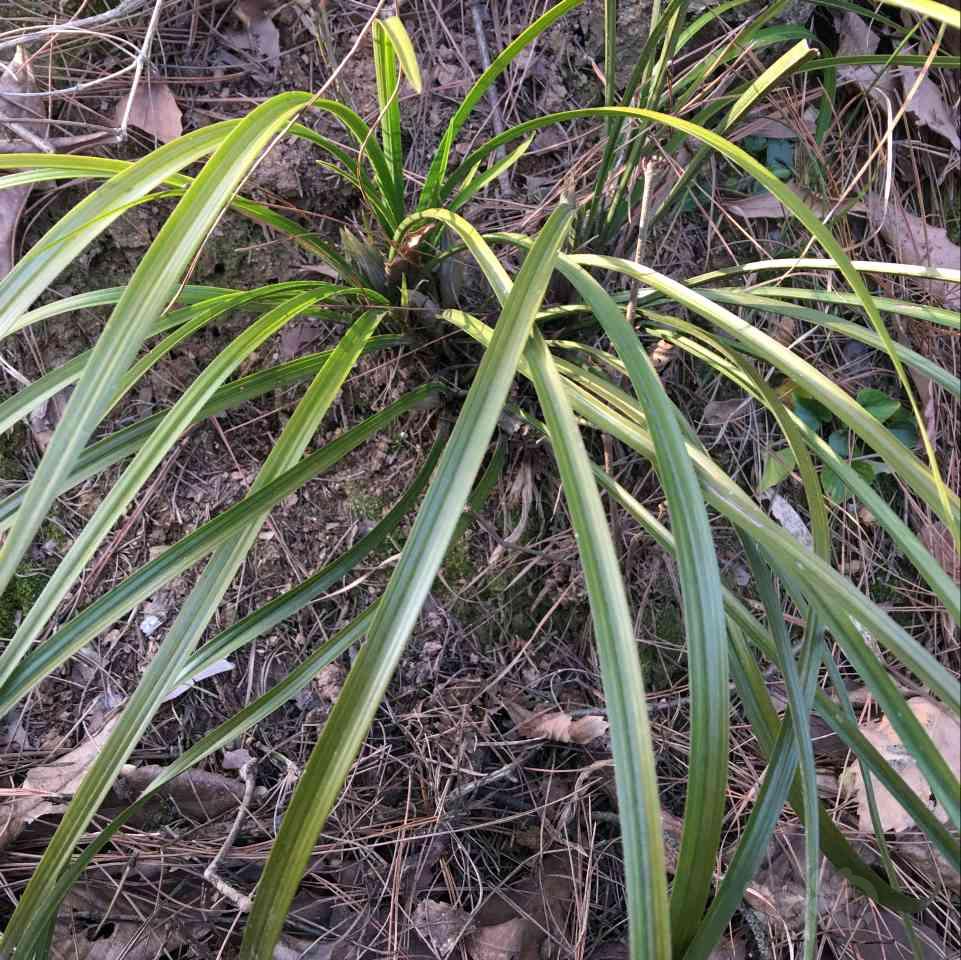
(779, 464)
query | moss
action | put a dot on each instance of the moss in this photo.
(458, 565)
(18, 598)
(12, 444)
(669, 625)
(366, 505)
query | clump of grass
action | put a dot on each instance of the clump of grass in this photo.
(723, 638)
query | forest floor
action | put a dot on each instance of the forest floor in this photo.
(460, 820)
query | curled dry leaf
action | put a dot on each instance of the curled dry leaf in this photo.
(236, 759)
(122, 940)
(556, 725)
(719, 413)
(91, 926)
(790, 519)
(914, 241)
(15, 77)
(767, 206)
(153, 109)
(441, 926)
(944, 731)
(329, 681)
(662, 354)
(514, 923)
(858, 38)
(927, 106)
(262, 38)
(46, 788)
(197, 794)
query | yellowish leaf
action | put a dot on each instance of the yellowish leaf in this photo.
(945, 733)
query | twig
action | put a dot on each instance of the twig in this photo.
(121, 10)
(240, 900)
(64, 144)
(647, 169)
(498, 120)
(20, 74)
(141, 60)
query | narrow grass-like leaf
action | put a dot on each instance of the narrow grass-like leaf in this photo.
(636, 776)
(757, 88)
(704, 621)
(190, 623)
(125, 489)
(123, 443)
(436, 174)
(930, 8)
(799, 696)
(350, 719)
(182, 555)
(819, 578)
(404, 49)
(763, 716)
(151, 288)
(388, 89)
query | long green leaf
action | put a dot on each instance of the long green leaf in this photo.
(635, 772)
(151, 288)
(423, 553)
(186, 552)
(122, 443)
(160, 441)
(725, 496)
(704, 621)
(431, 192)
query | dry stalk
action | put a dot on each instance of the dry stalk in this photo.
(240, 900)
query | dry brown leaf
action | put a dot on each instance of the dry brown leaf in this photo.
(293, 948)
(556, 725)
(513, 923)
(766, 206)
(197, 794)
(927, 107)
(329, 681)
(15, 77)
(45, 417)
(505, 941)
(88, 928)
(123, 940)
(662, 354)
(47, 787)
(854, 925)
(236, 759)
(915, 848)
(857, 38)
(718, 413)
(262, 36)
(790, 519)
(441, 926)
(914, 241)
(944, 731)
(153, 110)
(764, 127)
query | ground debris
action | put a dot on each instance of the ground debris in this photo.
(556, 725)
(47, 787)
